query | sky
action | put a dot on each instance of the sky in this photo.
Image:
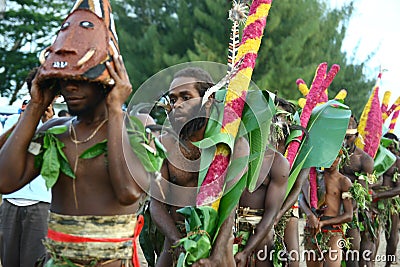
(375, 26)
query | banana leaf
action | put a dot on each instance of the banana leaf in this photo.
(257, 118)
(386, 142)
(213, 128)
(294, 134)
(200, 223)
(256, 121)
(326, 128)
(294, 173)
(230, 200)
(383, 160)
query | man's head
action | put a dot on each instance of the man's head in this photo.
(351, 133)
(187, 88)
(336, 162)
(284, 115)
(82, 96)
(394, 146)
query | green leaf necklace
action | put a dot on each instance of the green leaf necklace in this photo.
(74, 139)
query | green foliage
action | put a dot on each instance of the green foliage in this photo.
(151, 158)
(26, 29)
(51, 159)
(95, 151)
(327, 126)
(200, 225)
(299, 35)
(156, 34)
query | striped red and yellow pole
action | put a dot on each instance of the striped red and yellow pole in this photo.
(211, 189)
(341, 95)
(392, 108)
(370, 125)
(316, 95)
(394, 120)
(385, 102)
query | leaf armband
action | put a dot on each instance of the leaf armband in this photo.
(361, 195)
(51, 158)
(140, 141)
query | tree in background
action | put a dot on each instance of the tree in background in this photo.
(157, 34)
(160, 33)
(26, 28)
(300, 35)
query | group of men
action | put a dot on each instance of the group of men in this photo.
(87, 161)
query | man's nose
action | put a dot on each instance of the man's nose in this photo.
(178, 103)
(67, 45)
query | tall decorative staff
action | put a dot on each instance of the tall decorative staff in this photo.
(371, 120)
(241, 64)
(211, 189)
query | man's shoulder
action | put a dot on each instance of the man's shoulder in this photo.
(55, 122)
(167, 139)
(364, 155)
(345, 182)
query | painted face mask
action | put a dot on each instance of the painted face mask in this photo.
(85, 42)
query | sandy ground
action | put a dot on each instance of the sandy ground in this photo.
(381, 250)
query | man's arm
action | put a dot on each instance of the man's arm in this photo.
(367, 167)
(159, 210)
(395, 190)
(312, 220)
(222, 250)
(5, 135)
(274, 197)
(294, 193)
(16, 163)
(127, 174)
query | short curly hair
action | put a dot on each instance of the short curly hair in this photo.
(204, 78)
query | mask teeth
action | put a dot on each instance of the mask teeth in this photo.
(86, 57)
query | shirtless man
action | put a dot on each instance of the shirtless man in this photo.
(337, 193)
(290, 207)
(391, 185)
(188, 119)
(102, 200)
(357, 162)
(266, 200)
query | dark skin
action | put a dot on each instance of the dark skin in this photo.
(101, 189)
(335, 185)
(291, 234)
(181, 168)
(359, 162)
(391, 189)
(268, 196)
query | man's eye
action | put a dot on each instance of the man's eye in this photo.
(87, 24)
(186, 98)
(172, 101)
(65, 25)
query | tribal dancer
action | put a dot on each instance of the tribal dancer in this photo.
(84, 159)
(356, 162)
(323, 230)
(258, 210)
